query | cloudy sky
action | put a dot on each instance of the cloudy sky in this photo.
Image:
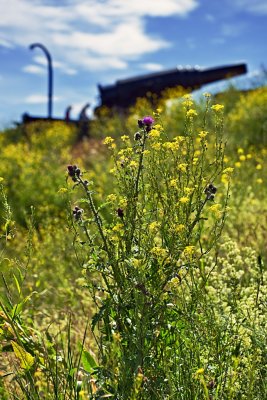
(100, 41)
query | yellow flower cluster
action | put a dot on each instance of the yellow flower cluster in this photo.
(191, 113)
(216, 210)
(111, 198)
(153, 227)
(159, 252)
(203, 134)
(189, 251)
(228, 170)
(184, 200)
(178, 228)
(117, 228)
(217, 107)
(156, 146)
(182, 167)
(154, 134)
(173, 183)
(173, 146)
(133, 164)
(108, 141)
(125, 138)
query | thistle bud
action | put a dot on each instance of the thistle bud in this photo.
(210, 191)
(137, 136)
(120, 212)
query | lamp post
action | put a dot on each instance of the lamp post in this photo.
(50, 75)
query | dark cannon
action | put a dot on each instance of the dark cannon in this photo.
(125, 92)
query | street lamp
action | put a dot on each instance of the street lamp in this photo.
(50, 75)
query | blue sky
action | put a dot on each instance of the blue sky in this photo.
(101, 41)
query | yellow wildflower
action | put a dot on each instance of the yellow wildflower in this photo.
(153, 226)
(200, 371)
(249, 156)
(187, 96)
(125, 152)
(184, 200)
(158, 127)
(189, 251)
(182, 167)
(188, 190)
(238, 164)
(154, 134)
(173, 183)
(225, 178)
(203, 134)
(215, 209)
(228, 170)
(259, 166)
(179, 228)
(240, 151)
(125, 138)
(179, 139)
(108, 140)
(156, 146)
(123, 202)
(159, 252)
(191, 113)
(259, 181)
(133, 164)
(61, 190)
(171, 145)
(111, 198)
(217, 107)
(242, 157)
(117, 228)
(146, 152)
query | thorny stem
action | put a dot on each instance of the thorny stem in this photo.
(96, 215)
(136, 189)
(103, 237)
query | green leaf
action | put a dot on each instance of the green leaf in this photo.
(26, 359)
(88, 361)
(17, 283)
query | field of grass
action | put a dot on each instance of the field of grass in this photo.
(133, 263)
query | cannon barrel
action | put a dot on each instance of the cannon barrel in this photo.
(125, 92)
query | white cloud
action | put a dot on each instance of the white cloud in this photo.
(258, 7)
(210, 18)
(5, 43)
(41, 60)
(38, 99)
(34, 69)
(88, 34)
(217, 40)
(233, 30)
(152, 66)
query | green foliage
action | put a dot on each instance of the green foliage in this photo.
(149, 289)
(247, 123)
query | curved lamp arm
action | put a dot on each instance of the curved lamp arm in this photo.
(50, 74)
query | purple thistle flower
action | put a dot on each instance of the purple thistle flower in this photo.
(148, 121)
